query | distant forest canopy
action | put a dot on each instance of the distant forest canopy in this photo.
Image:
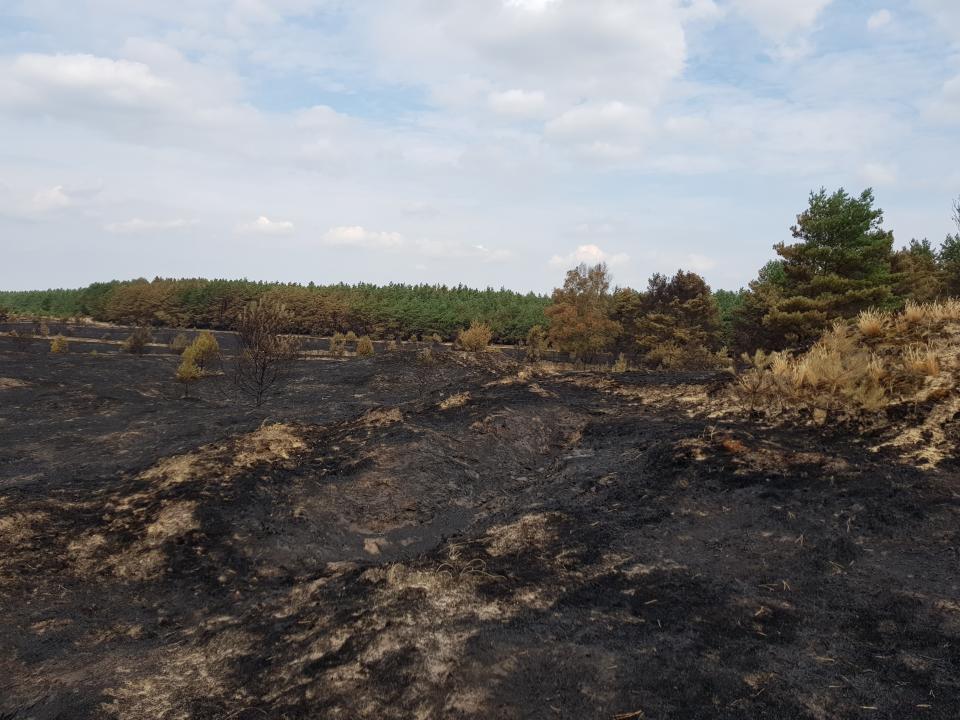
(388, 311)
(842, 263)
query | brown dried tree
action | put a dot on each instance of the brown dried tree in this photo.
(264, 354)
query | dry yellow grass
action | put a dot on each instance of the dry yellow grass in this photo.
(871, 323)
(914, 313)
(859, 369)
(922, 360)
(454, 401)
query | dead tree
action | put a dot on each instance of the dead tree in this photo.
(264, 354)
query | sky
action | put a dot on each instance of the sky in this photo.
(484, 142)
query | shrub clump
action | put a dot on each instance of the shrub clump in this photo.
(205, 350)
(365, 346)
(188, 372)
(58, 344)
(620, 366)
(676, 356)
(180, 343)
(536, 343)
(861, 368)
(476, 338)
(136, 343)
(338, 343)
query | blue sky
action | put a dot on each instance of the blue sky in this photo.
(485, 142)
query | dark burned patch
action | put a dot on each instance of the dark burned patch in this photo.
(572, 546)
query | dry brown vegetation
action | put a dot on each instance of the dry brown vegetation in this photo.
(864, 370)
(364, 347)
(58, 344)
(476, 338)
(136, 343)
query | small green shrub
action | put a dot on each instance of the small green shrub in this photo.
(58, 344)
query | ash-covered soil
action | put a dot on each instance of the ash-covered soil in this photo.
(464, 541)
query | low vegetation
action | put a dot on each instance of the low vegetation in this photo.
(862, 368)
(365, 347)
(264, 353)
(476, 338)
(188, 373)
(136, 343)
(179, 343)
(842, 267)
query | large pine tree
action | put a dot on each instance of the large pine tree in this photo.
(840, 266)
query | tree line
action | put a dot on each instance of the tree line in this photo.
(391, 311)
(842, 262)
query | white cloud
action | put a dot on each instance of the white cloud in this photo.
(786, 24)
(589, 254)
(613, 119)
(535, 6)
(265, 226)
(879, 19)
(702, 10)
(452, 250)
(137, 225)
(777, 19)
(569, 50)
(945, 13)
(946, 107)
(52, 199)
(878, 174)
(60, 197)
(119, 82)
(518, 103)
(357, 236)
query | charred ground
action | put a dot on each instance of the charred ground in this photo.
(465, 541)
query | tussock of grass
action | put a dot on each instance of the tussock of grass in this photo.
(870, 323)
(860, 370)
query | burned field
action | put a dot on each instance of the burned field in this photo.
(471, 540)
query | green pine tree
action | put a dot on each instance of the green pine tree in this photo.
(840, 266)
